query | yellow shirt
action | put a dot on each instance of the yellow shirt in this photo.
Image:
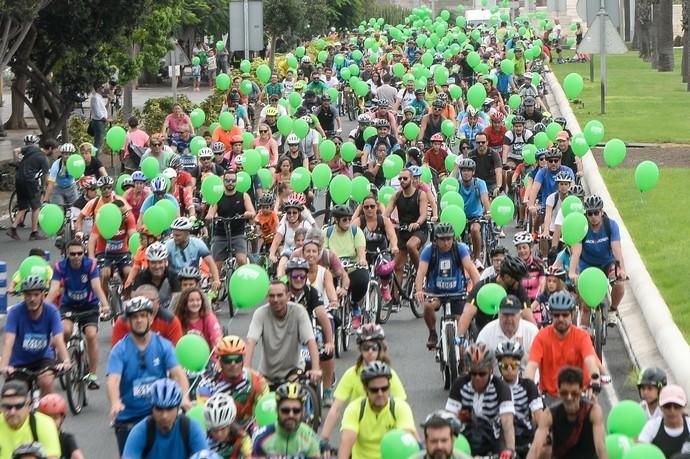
(350, 386)
(371, 429)
(46, 431)
(344, 243)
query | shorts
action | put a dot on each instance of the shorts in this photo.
(404, 236)
(611, 269)
(456, 306)
(219, 247)
(28, 195)
(119, 260)
(64, 196)
(90, 319)
(33, 367)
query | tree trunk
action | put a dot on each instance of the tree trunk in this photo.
(16, 120)
(127, 104)
(654, 35)
(643, 16)
(685, 23)
(272, 52)
(664, 35)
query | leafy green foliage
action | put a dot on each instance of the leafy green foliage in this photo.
(155, 111)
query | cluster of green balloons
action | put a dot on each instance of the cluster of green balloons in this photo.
(160, 216)
(625, 423)
(193, 352)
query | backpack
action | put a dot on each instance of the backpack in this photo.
(454, 253)
(329, 231)
(363, 405)
(151, 435)
(32, 426)
(606, 222)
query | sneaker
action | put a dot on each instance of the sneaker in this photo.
(328, 397)
(92, 381)
(12, 232)
(356, 322)
(478, 263)
(611, 320)
(432, 341)
(36, 236)
(386, 294)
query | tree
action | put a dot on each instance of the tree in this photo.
(685, 63)
(281, 17)
(663, 17)
(643, 21)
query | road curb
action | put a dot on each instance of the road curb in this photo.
(669, 341)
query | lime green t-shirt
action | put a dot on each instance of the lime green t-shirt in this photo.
(344, 243)
(350, 386)
(46, 431)
(373, 426)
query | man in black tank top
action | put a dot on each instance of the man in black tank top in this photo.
(231, 204)
(431, 123)
(572, 428)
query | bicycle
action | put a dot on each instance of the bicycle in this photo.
(489, 241)
(312, 411)
(75, 378)
(115, 291)
(31, 378)
(229, 265)
(405, 290)
(381, 309)
(448, 353)
(67, 232)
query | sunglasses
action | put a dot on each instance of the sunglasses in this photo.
(156, 144)
(506, 366)
(554, 161)
(591, 213)
(541, 159)
(378, 390)
(479, 374)
(298, 276)
(371, 206)
(370, 347)
(76, 254)
(232, 180)
(294, 410)
(228, 359)
(263, 131)
(11, 406)
(569, 393)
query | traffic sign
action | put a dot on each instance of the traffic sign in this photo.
(588, 9)
(591, 42)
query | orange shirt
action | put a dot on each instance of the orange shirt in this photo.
(268, 224)
(221, 135)
(140, 261)
(553, 352)
(91, 208)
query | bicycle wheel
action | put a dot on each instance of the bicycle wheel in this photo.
(416, 307)
(312, 408)
(346, 326)
(223, 290)
(74, 380)
(384, 309)
(337, 332)
(598, 324)
(115, 301)
(451, 373)
(372, 303)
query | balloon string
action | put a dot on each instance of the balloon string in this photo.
(200, 374)
(642, 198)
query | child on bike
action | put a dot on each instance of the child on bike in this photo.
(53, 405)
(267, 219)
(225, 437)
(555, 282)
(649, 385)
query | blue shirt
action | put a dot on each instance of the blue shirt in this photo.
(58, 172)
(472, 196)
(32, 337)
(596, 246)
(446, 276)
(470, 132)
(151, 200)
(76, 283)
(503, 82)
(547, 179)
(138, 370)
(165, 446)
(189, 256)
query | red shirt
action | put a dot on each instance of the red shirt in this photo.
(184, 178)
(120, 242)
(165, 324)
(437, 161)
(495, 138)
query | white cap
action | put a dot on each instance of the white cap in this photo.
(170, 173)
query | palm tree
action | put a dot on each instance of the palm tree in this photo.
(685, 64)
(663, 17)
(643, 21)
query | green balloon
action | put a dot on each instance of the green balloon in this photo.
(449, 162)
(115, 138)
(348, 151)
(338, 59)
(452, 198)
(473, 59)
(245, 66)
(196, 413)
(108, 220)
(76, 166)
(579, 145)
(244, 182)
(461, 444)
(447, 128)
(592, 285)
(327, 151)
(489, 298)
(614, 152)
(154, 219)
(427, 175)
(502, 210)
(369, 132)
(340, 189)
(627, 417)
(644, 451)
(411, 131)
(575, 228)
(300, 128)
(646, 175)
(573, 84)
(354, 69)
(529, 153)
(398, 69)
(398, 444)
(617, 445)
(266, 178)
(345, 73)
(170, 210)
(223, 81)
(247, 140)
(392, 166)
(321, 176)
(198, 117)
(212, 189)
(322, 56)
(572, 204)
(385, 194)
(455, 215)
(212, 128)
(246, 87)
(226, 120)
(118, 184)
(299, 51)
(360, 188)
(252, 161)
(249, 274)
(594, 132)
(134, 243)
(50, 218)
(541, 140)
(552, 130)
(34, 265)
(449, 184)
(476, 95)
(196, 144)
(284, 125)
(507, 66)
(263, 73)
(295, 99)
(455, 91)
(300, 179)
(265, 412)
(192, 352)
(362, 89)
(196, 61)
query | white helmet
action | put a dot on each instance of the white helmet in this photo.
(292, 139)
(156, 252)
(220, 411)
(205, 152)
(170, 173)
(522, 237)
(67, 148)
(181, 224)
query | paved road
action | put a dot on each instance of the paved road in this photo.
(405, 334)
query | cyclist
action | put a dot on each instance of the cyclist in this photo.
(488, 164)
(78, 279)
(475, 195)
(529, 94)
(54, 405)
(166, 433)
(569, 158)
(406, 96)
(282, 326)
(136, 362)
(470, 125)
(484, 405)
(328, 116)
(182, 192)
(34, 335)
(185, 250)
(444, 265)
(536, 271)
(431, 122)
(232, 203)
(553, 204)
(146, 238)
(529, 405)
(649, 385)
(601, 247)
(545, 181)
(383, 112)
(293, 221)
(347, 241)
(562, 344)
(441, 428)
(159, 188)
(62, 187)
(367, 419)
(513, 142)
(136, 196)
(105, 185)
(498, 253)
(159, 274)
(288, 436)
(435, 157)
(225, 438)
(231, 377)
(573, 427)
(356, 135)
(190, 277)
(19, 424)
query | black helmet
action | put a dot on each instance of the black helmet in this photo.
(29, 449)
(530, 102)
(375, 369)
(266, 199)
(593, 202)
(553, 153)
(652, 377)
(297, 263)
(514, 267)
(518, 119)
(577, 190)
(447, 417)
(510, 349)
(444, 230)
(560, 120)
(498, 250)
(341, 210)
(538, 127)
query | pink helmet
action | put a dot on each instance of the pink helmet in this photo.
(385, 269)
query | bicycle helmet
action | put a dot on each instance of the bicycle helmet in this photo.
(31, 139)
(297, 263)
(293, 204)
(206, 152)
(593, 202)
(236, 139)
(307, 119)
(138, 176)
(271, 111)
(105, 181)
(560, 120)
(438, 104)
(416, 171)
(291, 391)
(538, 127)
(556, 271)
(52, 404)
(438, 58)
(443, 97)
(522, 237)
(127, 182)
(189, 272)
(175, 162)
(381, 123)
(652, 377)
(156, 252)
(497, 117)
(88, 182)
(205, 454)
(409, 109)
(159, 185)
(471, 111)
(510, 349)
(29, 449)
(447, 417)
(577, 190)
(370, 332)
(230, 345)
(299, 85)
(138, 304)
(444, 230)
(266, 199)
(514, 267)
(181, 224)
(169, 173)
(518, 119)
(498, 250)
(234, 96)
(563, 176)
(165, 394)
(478, 356)
(216, 147)
(67, 148)
(553, 153)
(488, 102)
(467, 163)
(438, 137)
(292, 139)
(219, 411)
(363, 119)
(306, 60)
(375, 369)
(32, 283)
(561, 301)
(529, 100)
(418, 91)
(341, 210)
